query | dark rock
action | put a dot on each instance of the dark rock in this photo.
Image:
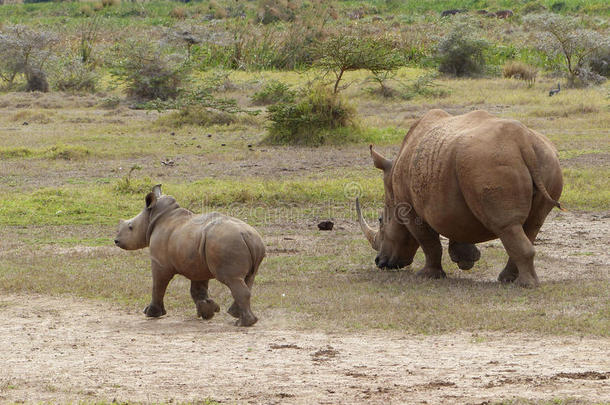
(326, 225)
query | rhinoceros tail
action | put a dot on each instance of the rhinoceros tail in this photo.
(257, 251)
(531, 161)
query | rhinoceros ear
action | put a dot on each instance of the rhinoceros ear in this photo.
(379, 161)
(157, 190)
(151, 200)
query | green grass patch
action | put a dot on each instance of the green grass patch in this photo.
(574, 153)
(106, 203)
(586, 189)
(60, 151)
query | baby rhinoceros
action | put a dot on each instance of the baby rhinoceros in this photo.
(199, 247)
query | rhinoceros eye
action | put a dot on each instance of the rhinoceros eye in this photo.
(380, 219)
(130, 227)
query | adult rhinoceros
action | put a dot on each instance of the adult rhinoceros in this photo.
(470, 178)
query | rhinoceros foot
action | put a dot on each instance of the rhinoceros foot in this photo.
(508, 275)
(431, 272)
(234, 310)
(527, 281)
(247, 320)
(154, 311)
(206, 308)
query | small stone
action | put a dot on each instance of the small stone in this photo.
(223, 144)
(26, 123)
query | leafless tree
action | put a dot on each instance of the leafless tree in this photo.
(565, 36)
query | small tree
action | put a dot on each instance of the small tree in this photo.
(563, 36)
(24, 51)
(148, 72)
(343, 53)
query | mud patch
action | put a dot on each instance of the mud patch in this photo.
(586, 375)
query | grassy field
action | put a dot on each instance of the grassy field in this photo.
(73, 164)
(65, 185)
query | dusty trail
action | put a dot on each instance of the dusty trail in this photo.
(64, 349)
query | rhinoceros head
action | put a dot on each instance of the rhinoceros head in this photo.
(132, 232)
(393, 241)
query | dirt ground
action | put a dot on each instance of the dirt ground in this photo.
(64, 349)
(60, 349)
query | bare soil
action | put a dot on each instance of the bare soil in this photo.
(66, 349)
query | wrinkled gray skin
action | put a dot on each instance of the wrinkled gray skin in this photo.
(471, 178)
(199, 247)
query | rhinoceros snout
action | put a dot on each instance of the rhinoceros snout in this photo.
(116, 242)
(384, 263)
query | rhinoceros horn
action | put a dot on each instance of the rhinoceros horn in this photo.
(369, 232)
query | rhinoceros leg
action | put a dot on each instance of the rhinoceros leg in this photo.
(161, 279)
(205, 306)
(241, 306)
(521, 252)
(523, 239)
(431, 245)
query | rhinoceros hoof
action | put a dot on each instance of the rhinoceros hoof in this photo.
(248, 320)
(234, 310)
(465, 264)
(508, 276)
(527, 282)
(153, 311)
(206, 308)
(431, 272)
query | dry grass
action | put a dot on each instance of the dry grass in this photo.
(521, 71)
(320, 281)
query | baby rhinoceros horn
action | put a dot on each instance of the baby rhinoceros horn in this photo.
(369, 232)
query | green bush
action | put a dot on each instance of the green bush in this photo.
(72, 75)
(461, 53)
(320, 116)
(148, 71)
(273, 92)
